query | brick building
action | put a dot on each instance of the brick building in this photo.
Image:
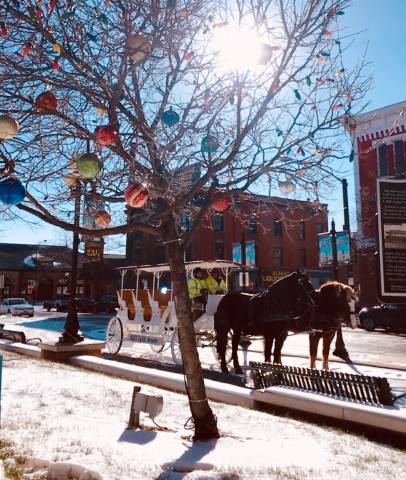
(379, 152)
(38, 272)
(282, 232)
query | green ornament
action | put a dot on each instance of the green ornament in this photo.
(308, 81)
(351, 157)
(89, 165)
(297, 94)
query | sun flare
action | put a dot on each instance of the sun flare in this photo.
(238, 48)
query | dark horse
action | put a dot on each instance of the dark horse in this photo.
(332, 308)
(285, 305)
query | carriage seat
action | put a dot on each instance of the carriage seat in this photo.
(128, 296)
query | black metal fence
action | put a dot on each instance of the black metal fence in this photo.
(375, 390)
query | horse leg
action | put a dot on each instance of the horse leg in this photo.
(279, 341)
(268, 342)
(327, 339)
(221, 349)
(234, 344)
(313, 345)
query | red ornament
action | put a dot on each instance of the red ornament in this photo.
(46, 101)
(105, 135)
(136, 195)
(26, 50)
(38, 13)
(56, 66)
(102, 218)
(3, 29)
(221, 204)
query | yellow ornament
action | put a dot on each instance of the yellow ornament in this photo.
(57, 48)
(8, 127)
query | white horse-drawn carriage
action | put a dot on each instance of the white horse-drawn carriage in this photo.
(148, 315)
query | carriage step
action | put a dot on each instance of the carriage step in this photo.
(362, 388)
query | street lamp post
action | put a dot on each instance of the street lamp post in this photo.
(71, 327)
(334, 248)
(36, 271)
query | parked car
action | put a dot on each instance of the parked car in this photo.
(106, 303)
(60, 304)
(391, 316)
(17, 306)
(86, 305)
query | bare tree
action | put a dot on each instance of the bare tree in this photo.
(246, 90)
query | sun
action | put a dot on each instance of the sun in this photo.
(238, 49)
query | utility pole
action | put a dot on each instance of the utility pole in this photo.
(334, 248)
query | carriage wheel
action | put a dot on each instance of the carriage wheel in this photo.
(157, 347)
(229, 350)
(175, 349)
(114, 335)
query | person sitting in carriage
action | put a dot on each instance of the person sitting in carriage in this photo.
(215, 283)
(197, 287)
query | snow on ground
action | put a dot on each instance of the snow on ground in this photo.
(60, 413)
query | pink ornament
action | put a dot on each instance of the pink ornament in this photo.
(136, 195)
(221, 204)
(102, 218)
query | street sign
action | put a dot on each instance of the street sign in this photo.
(326, 249)
(392, 237)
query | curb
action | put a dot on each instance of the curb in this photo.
(391, 419)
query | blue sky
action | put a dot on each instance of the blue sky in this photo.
(380, 24)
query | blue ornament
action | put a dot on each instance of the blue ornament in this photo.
(12, 191)
(170, 117)
(210, 144)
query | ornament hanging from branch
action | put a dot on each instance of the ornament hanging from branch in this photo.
(70, 180)
(138, 47)
(266, 54)
(170, 117)
(3, 29)
(286, 186)
(102, 218)
(8, 127)
(136, 195)
(46, 101)
(221, 204)
(89, 165)
(210, 144)
(12, 191)
(105, 135)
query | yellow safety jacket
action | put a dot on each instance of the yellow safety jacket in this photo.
(195, 286)
(215, 287)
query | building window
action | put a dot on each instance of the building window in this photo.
(302, 257)
(382, 159)
(62, 287)
(218, 222)
(302, 230)
(160, 255)
(277, 257)
(252, 225)
(219, 250)
(277, 228)
(319, 228)
(400, 168)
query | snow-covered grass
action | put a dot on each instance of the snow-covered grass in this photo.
(59, 413)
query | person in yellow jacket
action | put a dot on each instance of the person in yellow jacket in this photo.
(197, 286)
(215, 283)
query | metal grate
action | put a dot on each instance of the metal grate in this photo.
(362, 388)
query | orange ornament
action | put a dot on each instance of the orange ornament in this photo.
(102, 218)
(221, 204)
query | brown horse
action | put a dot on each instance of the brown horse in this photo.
(332, 308)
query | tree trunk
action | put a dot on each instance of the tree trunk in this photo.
(204, 421)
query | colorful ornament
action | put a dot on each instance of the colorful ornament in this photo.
(188, 56)
(8, 127)
(210, 144)
(286, 186)
(138, 47)
(57, 48)
(70, 180)
(266, 54)
(102, 218)
(46, 101)
(136, 195)
(170, 117)
(350, 124)
(221, 204)
(56, 66)
(3, 29)
(297, 94)
(105, 135)
(12, 191)
(26, 49)
(89, 165)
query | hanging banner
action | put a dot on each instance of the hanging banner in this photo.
(237, 253)
(392, 236)
(326, 249)
(250, 253)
